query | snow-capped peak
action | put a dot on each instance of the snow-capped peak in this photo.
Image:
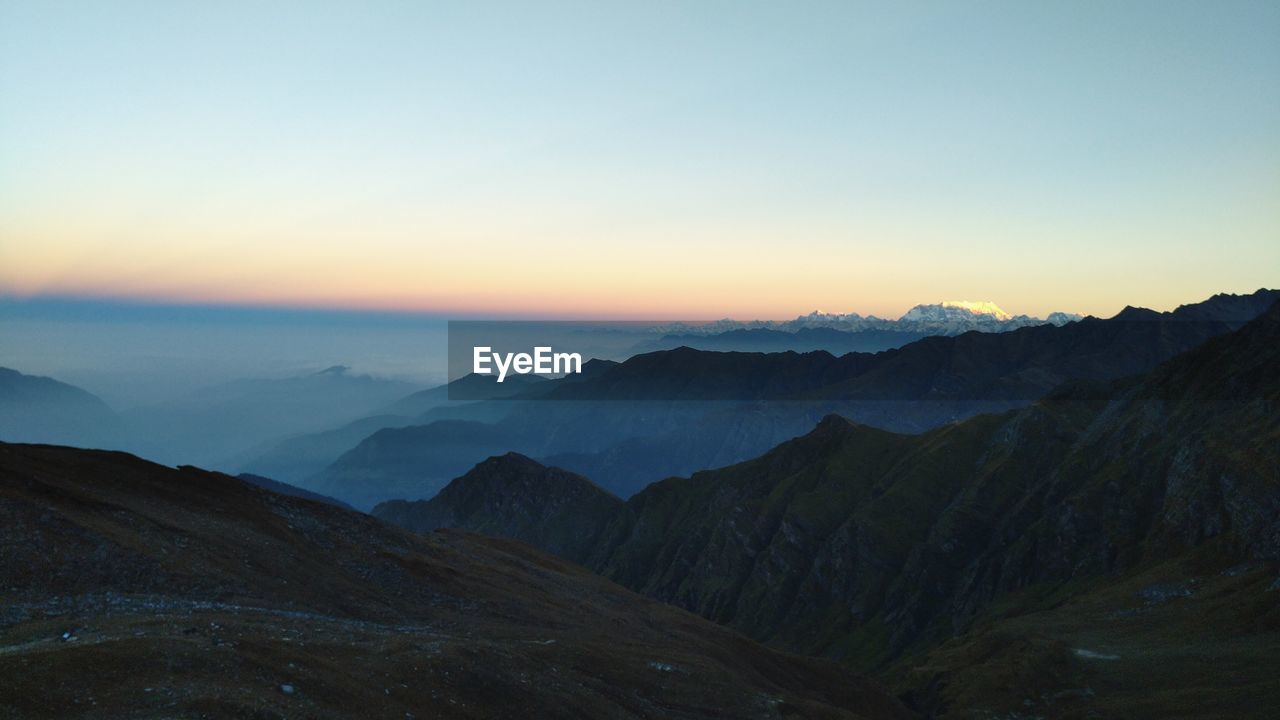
(962, 311)
(950, 317)
(823, 316)
(981, 307)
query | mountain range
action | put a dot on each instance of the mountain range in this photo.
(840, 333)
(950, 317)
(1054, 521)
(1102, 550)
(674, 412)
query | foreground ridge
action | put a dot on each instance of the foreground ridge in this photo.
(135, 589)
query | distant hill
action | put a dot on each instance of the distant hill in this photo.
(388, 462)
(136, 590)
(463, 388)
(1140, 518)
(41, 409)
(295, 459)
(675, 412)
(298, 457)
(513, 496)
(218, 424)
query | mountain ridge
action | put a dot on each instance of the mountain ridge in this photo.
(39, 408)
(635, 422)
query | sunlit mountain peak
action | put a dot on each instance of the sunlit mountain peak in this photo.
(980, 307)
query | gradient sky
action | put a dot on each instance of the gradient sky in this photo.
(692, 159)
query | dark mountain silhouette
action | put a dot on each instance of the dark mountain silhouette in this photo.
(1022, 364)
(679, 411)
(1101, 503)
(136, 590)
(36, 408)
(836, 342)
(515, 497)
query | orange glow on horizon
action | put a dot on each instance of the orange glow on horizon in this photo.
(491, 270)
(508, 306)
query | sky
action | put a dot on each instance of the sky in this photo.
(651, 160)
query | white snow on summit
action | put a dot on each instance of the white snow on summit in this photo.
(982, 307)
(950, 317)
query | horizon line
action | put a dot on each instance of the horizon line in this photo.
(284, 307)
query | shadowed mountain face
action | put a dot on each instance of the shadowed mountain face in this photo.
(876, 547)
(34, 408)
(135, 590)
(676, 412)
(513, 496)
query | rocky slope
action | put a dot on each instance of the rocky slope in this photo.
(136, 590)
